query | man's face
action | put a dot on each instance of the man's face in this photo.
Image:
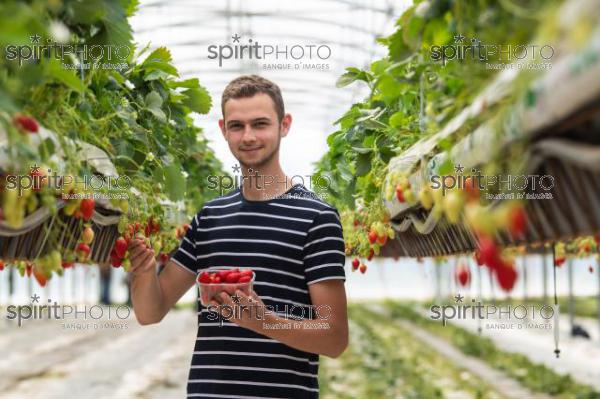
(252, 130)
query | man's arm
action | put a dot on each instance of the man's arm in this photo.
(153, 295)
(325, 335)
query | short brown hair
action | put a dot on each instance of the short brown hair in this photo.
(248, 86)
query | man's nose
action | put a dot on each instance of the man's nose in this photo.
(248, 133)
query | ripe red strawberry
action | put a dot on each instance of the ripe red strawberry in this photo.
(517, 223)
(120, 247)
(39, 276)
(83, 247)
(489, 252)
(164, 258)
(559, 260)
(356, 222)
(477, 257)
(217, 280)
(355, 263)
(223, 274)
(382, 239)
(115, 259)
(232, 277)
(87, 208)
(506, 275)
(246, 273)
(1, 265)
(463, 274)
(371, 254)
(399, 194)
(204, 278)
(363, 268)
(26, 123)
(471, 189)
(66, 264)
(28, 269)
(244, 279)
(372, 236)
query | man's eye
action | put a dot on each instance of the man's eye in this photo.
(235, 127)
(260, 124)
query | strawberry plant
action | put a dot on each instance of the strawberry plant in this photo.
(139, 115)
(410, 97)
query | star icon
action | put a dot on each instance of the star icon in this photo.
(459, 168)
(35, 168)
(458, 298)
(475, 41)
(236, 298)
(35, 298)
(236, 168)
(236, 38)
(35, 38)
(459, 38)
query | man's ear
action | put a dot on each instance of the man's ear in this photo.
(222, 127)
(286, 124)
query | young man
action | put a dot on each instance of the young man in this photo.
(292, 241)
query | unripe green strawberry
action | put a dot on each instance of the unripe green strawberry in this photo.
(70, 208)
(426, 198)
(87, 236)
(55, 260)
(156, 246)
(32, 203)
(126, 264)
(479, 218)
(409, 196)
(389, 192)
(403, 183)
(453, 204)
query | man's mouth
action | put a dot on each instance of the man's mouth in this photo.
(253, 149)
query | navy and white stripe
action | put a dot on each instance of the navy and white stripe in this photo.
(290, 242)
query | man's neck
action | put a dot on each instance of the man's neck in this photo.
(264, 183)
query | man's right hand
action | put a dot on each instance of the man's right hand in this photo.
(142, 259)
(152, 294)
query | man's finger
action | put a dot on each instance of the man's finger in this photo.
(137, 254)
(147, 257)
(225, 298)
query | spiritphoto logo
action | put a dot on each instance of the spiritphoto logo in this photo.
(71, 56)
(40, 177)
(509, 186)
(225, 312)
(501, 317)
(73, 317)
(462, 49)
(272, 56)
(258, 181)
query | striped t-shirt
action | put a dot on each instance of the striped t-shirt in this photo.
(289, 241)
